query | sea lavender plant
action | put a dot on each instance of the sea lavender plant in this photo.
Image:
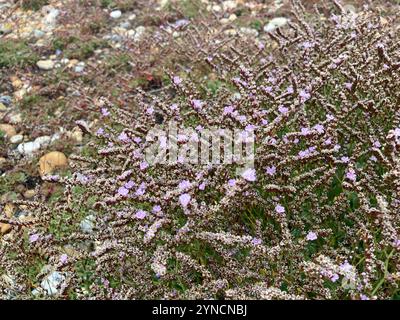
(317, 217)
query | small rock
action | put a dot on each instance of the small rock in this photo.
(17, 138)
(52, 282)
(6, 100)
(125, 25)
(229, 5)
(51, 161)
(116, 14)
(51, 17)
(79, 67)
(6, 28)
(87, 224)
(275, 23)
(249, 32)
(232, 17)
(16, 83)
(43, 140)
(9, 210)
(216, 8)
(15, 118)
(8, 129)
(230, 32)
(132, 17)
(28, 148)
(45, 64)
(38, 33)
(4, 228)
(29, 194)
(77, 135)
(3, 161)
(72, 63)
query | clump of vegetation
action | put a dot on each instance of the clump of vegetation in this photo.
(310, 212)
(34, 5)
(16, 54)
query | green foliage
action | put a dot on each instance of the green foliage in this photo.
(16, 54)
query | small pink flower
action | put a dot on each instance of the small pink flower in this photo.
(249, 175)
(63, 258)
(304, 95)
(197, 104)
(105, 112)
(33, 238)
(123, 191)
(351, 175)
(377, 144)
(184, 184)
(283, 109)
(184, 199)
(345, 159)
(141, 214)
(174, 107)
(241, 118)
(231, 182)
(319, 128)
(143, 165)
(123, 137)
(280, 209)
(129, 184)
(290, 90)
(304, 131)
(202, 186)
(177, 80)
(334, 277)
(330, 117)
(228, 110)
(311, 236)
(256, 241)
(271, 170)
(348, 85)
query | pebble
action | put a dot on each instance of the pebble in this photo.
(4, 228)
(51, 18)
(87, 224)
(17, 138)
(28, 148)
(15, 118)
(6, 28)
(125, 25)
(51, 161)
(116, 14)
(45, 64)
(9, 212)
(29, 194)
(77, 135)
(8, 129)
(275, 23)
(79, 67)
(52, 282)
(38, 33)
(229, 5)
(6, 100)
